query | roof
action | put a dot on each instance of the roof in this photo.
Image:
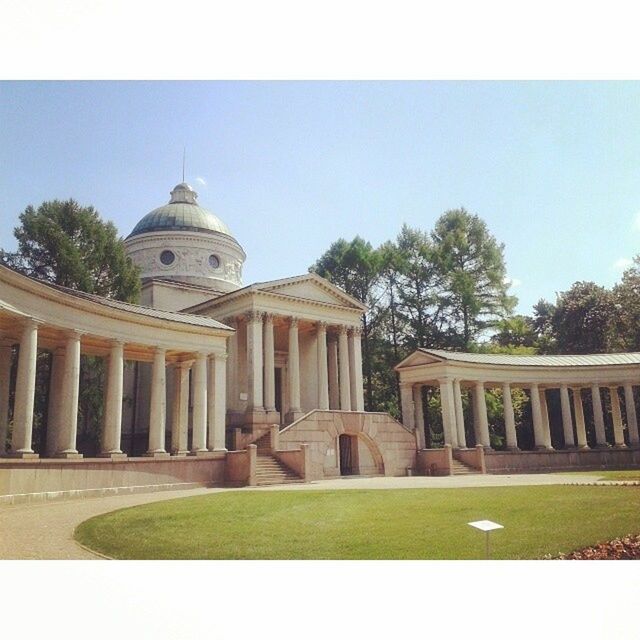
(591, 360)
(174, 316)
(182, 213)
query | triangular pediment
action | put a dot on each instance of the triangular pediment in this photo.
(311, 287)
(418, 358)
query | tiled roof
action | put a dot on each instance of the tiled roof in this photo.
(592, 360)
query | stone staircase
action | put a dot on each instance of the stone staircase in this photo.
(269, 470)
(461, 469)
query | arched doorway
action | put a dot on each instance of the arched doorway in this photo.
(348, 445)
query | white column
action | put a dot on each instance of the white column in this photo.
(345, 383)
(536, 414)
(180, 410)
(233, 393)
(598, 417)
(419, 416)
(294, 368)
(546, 427)
(254, 361)
(216, 400)
(269, 364)
(457, 396)
(480, 416)
(25, 390)
(616, 414)
(54, 408)
(406, 400)
(567, 422)
(448, 409)
(632, 420)
(5, 374)
(70, 393)
(112, 429)
(509, 418)
(578, 409)
(355, 369)
(323, 373)
(158, 406)
(199, 427)
(334, 392)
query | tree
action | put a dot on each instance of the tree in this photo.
(356, 267)
(69, 245)
(626, 297)
(418, 289)
(515, 331)
(472, 269)
(584, 319)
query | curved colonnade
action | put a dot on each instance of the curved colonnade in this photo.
(453, 372)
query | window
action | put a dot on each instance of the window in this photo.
(214, 261)
(167, 257)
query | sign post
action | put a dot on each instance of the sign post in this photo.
(487, 526)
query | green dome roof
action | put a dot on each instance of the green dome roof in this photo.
(183, 213)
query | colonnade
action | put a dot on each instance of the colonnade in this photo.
(573, 426)
(338, 376)
(208, 379)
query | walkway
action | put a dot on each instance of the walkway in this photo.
(44, 531)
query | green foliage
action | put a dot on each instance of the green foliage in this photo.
(69, 245)
(584, 319)
(474, 289)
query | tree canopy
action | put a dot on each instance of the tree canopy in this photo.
(70, 245)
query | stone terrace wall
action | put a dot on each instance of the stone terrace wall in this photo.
(46, 479)
(540, 461)
(390, 443)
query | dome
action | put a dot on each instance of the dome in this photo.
(182, 213)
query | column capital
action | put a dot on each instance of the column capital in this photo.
(406, 385)
(254, 315)
(268, 317)
(355, 330)
(159, 350)
(183, 364)
(343, 329)
(30, 323)
(218, 356)
(293, 322)
(116, 342)
(229, 320)
(74, 334)
(321, 325)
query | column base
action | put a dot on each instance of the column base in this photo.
(159, 455)
(179, 454)
(114, 455)
(272, 416)
(24, 455)
(203, 453)
(223, 450)
(513, 449)
(69, 455)
(544, 447)
(601, 447)
(620, 446)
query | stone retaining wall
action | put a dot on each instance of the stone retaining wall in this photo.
(45, 479)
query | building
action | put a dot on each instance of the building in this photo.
(208, 381)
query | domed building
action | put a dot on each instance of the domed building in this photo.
(182, 242)
(295, 349)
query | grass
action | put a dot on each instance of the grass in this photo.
(354, 524)
(626, 474)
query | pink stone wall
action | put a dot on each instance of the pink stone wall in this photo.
(47, 479)
(391, 447)
(434, 462)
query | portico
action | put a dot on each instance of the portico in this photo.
(577, 379)
(296, 348)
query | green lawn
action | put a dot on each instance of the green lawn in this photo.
(626, 474)
(353, 524)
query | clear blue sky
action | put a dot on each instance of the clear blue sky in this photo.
(552, 167)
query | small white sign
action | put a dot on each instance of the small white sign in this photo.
(485, 525)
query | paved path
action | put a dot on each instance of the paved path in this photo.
(44, 531)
